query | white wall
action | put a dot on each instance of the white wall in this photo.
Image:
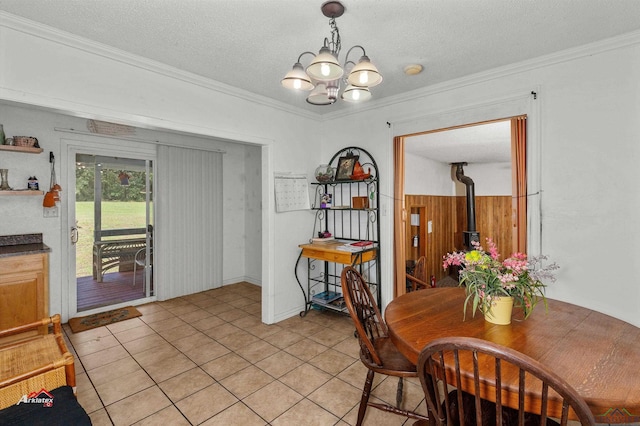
(584, 131)
(71, 76)
(583, 137)
(424, 176)
(488, 179)
(253, 210)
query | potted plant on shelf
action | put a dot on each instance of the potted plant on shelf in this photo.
(492, 284)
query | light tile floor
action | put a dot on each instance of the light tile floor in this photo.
(208, 359)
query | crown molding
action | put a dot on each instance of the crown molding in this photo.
(590, 49)
(45, 32)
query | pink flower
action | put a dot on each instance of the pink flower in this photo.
(517, 263)
(493, 250)
(507, 278)
(453, 259)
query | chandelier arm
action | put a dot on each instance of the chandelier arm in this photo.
(304, 53)
(346, 58)
(348, 65)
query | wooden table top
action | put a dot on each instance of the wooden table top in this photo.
(596, 354)
(329, 252)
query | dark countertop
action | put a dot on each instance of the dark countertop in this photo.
(24, 244)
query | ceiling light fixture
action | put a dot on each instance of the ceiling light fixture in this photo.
(324, 74)
(413, 69)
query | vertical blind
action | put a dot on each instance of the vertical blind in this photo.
(188, 252)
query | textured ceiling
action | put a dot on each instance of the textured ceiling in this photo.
(251, 44)
(486, 143)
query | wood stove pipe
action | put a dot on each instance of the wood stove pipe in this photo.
(470, 234)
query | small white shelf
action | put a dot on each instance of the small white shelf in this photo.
(22, 192)
(26, 149)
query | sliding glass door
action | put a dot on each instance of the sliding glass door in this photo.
(112, 230)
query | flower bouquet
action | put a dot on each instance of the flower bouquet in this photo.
(486, 278)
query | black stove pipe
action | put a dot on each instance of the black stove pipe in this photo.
(470, 234)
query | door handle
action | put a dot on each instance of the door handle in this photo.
(74, 235)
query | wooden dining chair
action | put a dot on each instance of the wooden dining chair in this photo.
(377, 352)
(419, 277)
(479, 371)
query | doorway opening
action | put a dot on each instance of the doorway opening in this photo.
(113, 235)
(432, 218)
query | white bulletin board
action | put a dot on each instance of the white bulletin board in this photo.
(292, 192)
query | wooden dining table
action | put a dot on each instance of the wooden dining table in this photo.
(596, 354)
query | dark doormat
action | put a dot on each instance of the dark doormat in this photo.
(104, 318)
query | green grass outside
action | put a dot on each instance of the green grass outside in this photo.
(115, 215)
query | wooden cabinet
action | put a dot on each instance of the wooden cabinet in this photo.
(24, 289)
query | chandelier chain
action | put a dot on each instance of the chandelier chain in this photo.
(336, 44)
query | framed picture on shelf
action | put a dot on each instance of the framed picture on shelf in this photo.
(345, 167)
(325, 202)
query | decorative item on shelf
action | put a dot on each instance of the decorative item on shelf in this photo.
(324, 173)
(32, 183)
(323, 76)
(360, 202)
(359, 173)
(4, 180)
(325, 234)
(346, 165)
(2, 139)
(53, 195)
(26, 141)
(487, 279)
(325, 202)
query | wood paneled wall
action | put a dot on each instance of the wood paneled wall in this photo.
(493, 220)
(441, 211)
(448, 217)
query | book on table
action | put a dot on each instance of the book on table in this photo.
(364, 244)
(322, 240)
(356, 246)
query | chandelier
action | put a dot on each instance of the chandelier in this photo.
(324, 75)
